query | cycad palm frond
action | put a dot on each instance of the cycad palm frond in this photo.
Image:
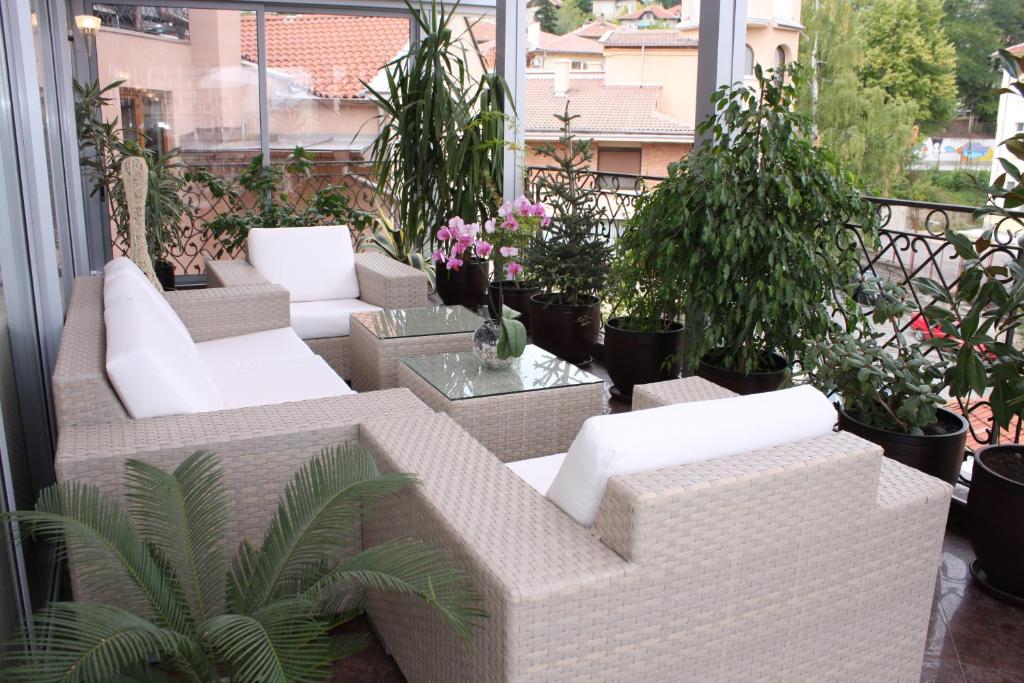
(318, 513)
(409, 567)
(90, 642)
(105, 545)
(183, 516)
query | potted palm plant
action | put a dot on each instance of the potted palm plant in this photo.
(748, 229)
(268, 614)
(569, 258)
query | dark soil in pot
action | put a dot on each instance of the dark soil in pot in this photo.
(514, 297)
(569, 332)
(165, 274)
(743, 383)
(633, 357)
(995, 514)
(939, 452)
(466, 286)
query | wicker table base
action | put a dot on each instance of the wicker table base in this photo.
(375, 361)
(518, 425)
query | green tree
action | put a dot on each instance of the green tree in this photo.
(546, 17)
(978, 28)
(907, 52)
(587, 6)
(570, 16)
(667, 4)
(871, 133)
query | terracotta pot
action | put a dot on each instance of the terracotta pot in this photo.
(939, 455)
(466, 286)
(633, 358)
(569, 332)
(514, 297)
(995, 512)
(740, 382)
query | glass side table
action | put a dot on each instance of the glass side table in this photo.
(535, 407)
(380, 338)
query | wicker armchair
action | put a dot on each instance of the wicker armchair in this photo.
(260, 447)
(383, 282)
(812, 561)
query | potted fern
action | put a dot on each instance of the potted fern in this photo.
(568, 260)
(267, 615)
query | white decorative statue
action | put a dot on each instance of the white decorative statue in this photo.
(135, 173)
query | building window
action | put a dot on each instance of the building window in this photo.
(144, 118)
(619, 166)
(579, 65)
(748, 64)
(780, 56)
(1020, 127)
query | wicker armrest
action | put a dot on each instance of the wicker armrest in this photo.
(388, 283)
(230, 311)
(232, 274)
(674, 391)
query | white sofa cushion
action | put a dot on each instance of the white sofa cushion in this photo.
(538, 472)
(154, 372)
(645, 440)
(297, 379)
(313, 264)
(252, 350)
(320, 319)
(123, 280)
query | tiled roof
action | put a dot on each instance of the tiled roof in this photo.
(568, 43)
(675, 10)
(484, 31)
(1017, 49)
(328, 54)
(595, 29)
(640, 38)
(657, 11)
(489, 50)
(622, 109)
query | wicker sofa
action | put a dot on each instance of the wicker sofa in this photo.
(260, 446)
(813, 561)
(303, 260)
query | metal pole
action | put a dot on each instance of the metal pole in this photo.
(510, 60)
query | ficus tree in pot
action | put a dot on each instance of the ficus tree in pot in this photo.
(749, 230)
(568, 259)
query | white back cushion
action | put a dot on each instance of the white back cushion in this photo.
(313, 264)
(153, 371)
(645, 440)
(124, 281)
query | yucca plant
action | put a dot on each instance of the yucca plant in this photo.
(267, 617)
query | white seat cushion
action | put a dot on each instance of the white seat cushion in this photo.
(123, 280)
(297, 379)
(320, 319)
(251, 350)
(645, 440)
(538, 472)
(313, 264)
(154, 372)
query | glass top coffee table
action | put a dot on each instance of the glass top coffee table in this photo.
(535, 407)
(380, 338)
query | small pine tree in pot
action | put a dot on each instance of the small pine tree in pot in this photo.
(569, 259)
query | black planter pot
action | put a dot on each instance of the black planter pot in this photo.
(569, 332)
(939, 455)
(743, 383)
(995, 510)
(514, 297)
(165, 274)
(466, 286)
(633, 358)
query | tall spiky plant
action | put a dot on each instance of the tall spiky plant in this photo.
(267, 618)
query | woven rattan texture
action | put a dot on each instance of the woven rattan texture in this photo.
(812, 562)
(259, 448)
(231, 311)
(516, 426)
(375, 361)
(232, 274)
(677, 391)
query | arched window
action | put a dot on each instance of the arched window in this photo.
(748, 64)
(780, 56)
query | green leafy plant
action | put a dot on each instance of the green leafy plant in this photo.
(511, 334)
(257, 198)
(569, 258)
(894, 388)
(103, 145)
(269, 616)
(749, 230)
(439, 149)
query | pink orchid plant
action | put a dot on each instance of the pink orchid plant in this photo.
(460, 241)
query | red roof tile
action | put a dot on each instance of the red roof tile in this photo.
(641, 38)
(569, 43)
(603, 108)
(595, 29)
(328, 54)
(484, 31)
(657, 12)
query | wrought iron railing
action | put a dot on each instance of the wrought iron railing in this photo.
(911, 244)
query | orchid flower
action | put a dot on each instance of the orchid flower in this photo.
(444, 234)
(483, 249)
(513, 269)
(438, 255)
(509, 251)
(489, 225)
(453, 263)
